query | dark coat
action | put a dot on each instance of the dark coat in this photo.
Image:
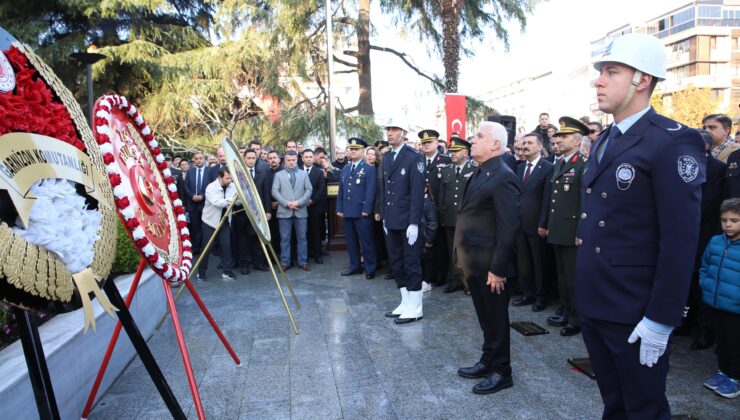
(403, 189)
(190, 184)
(357, 190)
(451, 192)
(318, 196)
(732, 175)
(639, 223)
(488, 220)
(564, 205)
(433, 173)
(535, 194)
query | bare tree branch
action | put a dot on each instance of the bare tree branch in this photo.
(403, 58)
(345, 72)
(346, 63)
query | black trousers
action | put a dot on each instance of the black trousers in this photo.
(565, 259)
(493, 316)
(274, 233)
(727, 337)
(314, 234)
(247, 250)
(454, 276)
(381, 253)
(530, 252)
(440, 258)
(196, 231)
(405, 259)
(224, 239)
(628, 389)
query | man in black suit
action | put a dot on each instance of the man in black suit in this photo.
(317, 205)
(249, 251)
(488, 223)
(273, 160)
(534, 174)
(196, 181)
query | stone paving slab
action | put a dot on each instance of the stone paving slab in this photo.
(350, 362)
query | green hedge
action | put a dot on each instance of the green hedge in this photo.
(127, 256)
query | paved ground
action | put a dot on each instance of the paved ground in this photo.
(350, 362)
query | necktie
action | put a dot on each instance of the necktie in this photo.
(251, 172)
(352, 168)
(292, 178)
(614, 134)
(527, 172)
(198, 181)
(429, 163)
(458, 172)
(393, 156)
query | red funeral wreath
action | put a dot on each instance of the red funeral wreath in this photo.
(143, 217)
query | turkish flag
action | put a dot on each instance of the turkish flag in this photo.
(455, 111)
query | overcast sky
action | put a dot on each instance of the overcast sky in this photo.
(557, 37)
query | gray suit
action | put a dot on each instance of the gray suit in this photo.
(283, 192)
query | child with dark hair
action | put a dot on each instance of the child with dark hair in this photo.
(720, 284)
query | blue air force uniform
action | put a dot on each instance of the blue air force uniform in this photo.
(402, 204)
(357, 196)
(638, 227)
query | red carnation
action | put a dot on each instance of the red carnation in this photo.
(124, 202)
(182, 224)
(115, 180)
(185, 237)
(108, 158)
(153, 258)
(141, 243)
(179, 210)
(162, 166)
(169, 180)
(156, 151)
(132, 224)
(149, 137)
(173, 196)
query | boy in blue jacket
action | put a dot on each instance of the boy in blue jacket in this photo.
(720, 284)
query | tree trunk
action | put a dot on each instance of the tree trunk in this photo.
(451, 42)
(365, 102)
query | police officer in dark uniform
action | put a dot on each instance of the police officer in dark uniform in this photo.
(401, 210)
(355, 203)
(435, 162)
(560, 222)
(454, 178)
(638, 232)
(732, 175)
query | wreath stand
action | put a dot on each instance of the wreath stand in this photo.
(178, 332)
(38, 371)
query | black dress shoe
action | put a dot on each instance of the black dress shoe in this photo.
(391, 315)
(261, 267)
(453, 288)
(569, 330)
(557, 321)
(389, 276)
(522, 301)
(245, 270)
(539, 306)
(319, 260)
(493, 383)
(466, 291)
(370, 276)
(351, 272)
(478, 370)
(702, 341)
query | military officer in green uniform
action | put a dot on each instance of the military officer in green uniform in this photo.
(559, 222)
(454, 178)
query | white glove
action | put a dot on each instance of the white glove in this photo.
(384, 228)
(412, 232)
(652, 343)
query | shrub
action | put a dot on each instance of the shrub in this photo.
(127, 256)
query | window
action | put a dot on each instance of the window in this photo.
(681, 47)
(714, 12)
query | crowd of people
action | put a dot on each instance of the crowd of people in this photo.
(633, 229)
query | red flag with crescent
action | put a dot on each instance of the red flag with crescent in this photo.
(455, 111)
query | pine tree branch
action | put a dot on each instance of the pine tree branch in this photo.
(403, 58)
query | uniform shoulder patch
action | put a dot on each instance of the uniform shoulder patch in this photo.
(666, 124)
(420, 167)
(688, 168)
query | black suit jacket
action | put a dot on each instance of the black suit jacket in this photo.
(535, 193)
(189, 188)
(488, 220)
(318, 196)
(711, 199)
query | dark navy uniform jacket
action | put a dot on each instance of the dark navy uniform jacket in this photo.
(639, 223)
(403, 189)
(357, 190)
(433, 173)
